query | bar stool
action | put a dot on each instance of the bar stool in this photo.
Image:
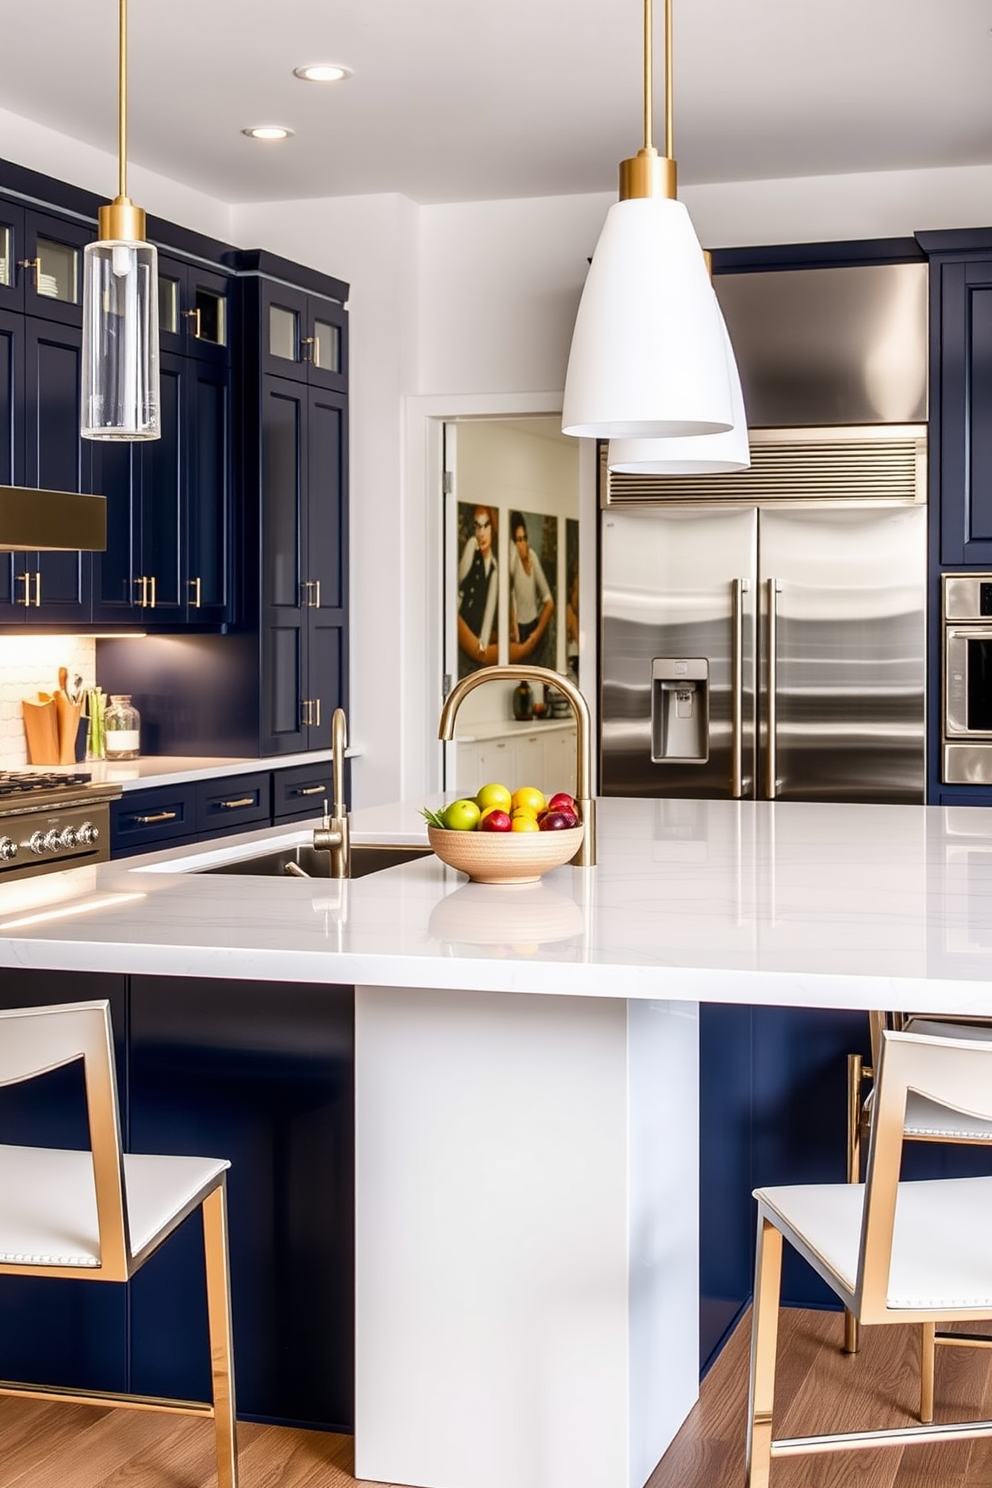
(924, 1122)
(98, 1215)
(893, 1252)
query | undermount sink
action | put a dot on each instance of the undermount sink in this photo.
(315, 863)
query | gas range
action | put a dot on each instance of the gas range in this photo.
(50, 821)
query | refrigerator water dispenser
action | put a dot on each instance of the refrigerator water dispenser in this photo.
(680, 709)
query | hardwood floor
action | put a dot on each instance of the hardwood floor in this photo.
(819, 1389)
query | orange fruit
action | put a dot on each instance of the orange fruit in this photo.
(521, 823)
(529, 796)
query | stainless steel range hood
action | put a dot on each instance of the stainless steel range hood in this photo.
(51, 521)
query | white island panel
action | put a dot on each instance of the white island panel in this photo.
(526, 1237)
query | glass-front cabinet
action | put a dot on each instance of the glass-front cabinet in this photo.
(49, 266)
(304, 337)
(193, 310)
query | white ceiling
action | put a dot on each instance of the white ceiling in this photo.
(454, 100)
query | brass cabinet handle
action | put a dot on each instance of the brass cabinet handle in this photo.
(31, 263)
(143, 601)
(308, 716)
(197, 601)
(318, 713)
(26, 578)
(152, 582)
(312, 586)
(194, 316)
(316, 603)
(146, 821)
(241, 801)
(310, 790)
(306, 348)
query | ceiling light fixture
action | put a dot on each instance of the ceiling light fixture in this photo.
(120, 379)
(322, 72)
(267, 132)
(648, 357)
(699, 454)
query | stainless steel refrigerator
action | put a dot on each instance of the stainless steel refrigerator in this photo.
(766, 653)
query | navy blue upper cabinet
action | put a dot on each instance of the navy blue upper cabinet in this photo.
(39, 429)
(50, 267)
(194, 310)
(961, 401)
(167, 564)
(304, 338)
(11, 240)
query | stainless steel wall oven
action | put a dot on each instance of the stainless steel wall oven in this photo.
(966, 718)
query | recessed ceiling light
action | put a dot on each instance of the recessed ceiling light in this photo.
(322, 72)
(267, 132)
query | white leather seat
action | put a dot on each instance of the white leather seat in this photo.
(893, 1252)
(98, 1215)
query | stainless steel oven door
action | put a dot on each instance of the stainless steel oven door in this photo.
(968, 682)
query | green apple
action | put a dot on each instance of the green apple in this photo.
(461, 816)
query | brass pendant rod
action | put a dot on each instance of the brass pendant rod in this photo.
(648, 77)
(122, 104)
(668, 81)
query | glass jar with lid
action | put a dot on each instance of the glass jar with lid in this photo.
(122, 728)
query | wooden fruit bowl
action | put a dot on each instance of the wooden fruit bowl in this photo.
(505, 857)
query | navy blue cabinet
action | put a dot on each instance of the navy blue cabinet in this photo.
(961, 428)
(303, 438)
(167, 564)
(304, 337)
(194, 310)
(40, 376)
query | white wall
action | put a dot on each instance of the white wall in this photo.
(40, 149)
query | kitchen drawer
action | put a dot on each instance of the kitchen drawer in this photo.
(235, 802)
(141, 820)
(301, 791)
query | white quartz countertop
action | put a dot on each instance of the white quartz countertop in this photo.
(817, 905)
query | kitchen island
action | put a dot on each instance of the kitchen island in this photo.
(526, 1083)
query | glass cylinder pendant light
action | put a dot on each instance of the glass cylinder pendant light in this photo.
(649, 350)
(120, 378)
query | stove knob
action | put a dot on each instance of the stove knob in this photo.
(36, 842)
(8, 849)
(67, 837)
(52, 841)
(86, 834)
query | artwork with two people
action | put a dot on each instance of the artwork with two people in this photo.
(533, 571)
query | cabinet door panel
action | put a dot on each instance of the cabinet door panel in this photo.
(283, 433)
(11, 249)
(283, 331)
(56, 458)
(965, 431)
(162, 487)
(325, 658)
(282, 690)
(115, 586)
(324, 555)
(208, 499)
(11, 376)
(53, 289)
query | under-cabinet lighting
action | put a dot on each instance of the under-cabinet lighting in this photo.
(106, 902)
(267, 132)
(322, 72)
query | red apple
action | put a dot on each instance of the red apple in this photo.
(495, 821)
(571, 820)
(562, 801)
(555, 821)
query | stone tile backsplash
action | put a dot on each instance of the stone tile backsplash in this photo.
(28, 665)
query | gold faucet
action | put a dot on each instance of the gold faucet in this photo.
(333, 835)
(585, 857)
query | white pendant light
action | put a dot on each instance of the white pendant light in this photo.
(648, 357)
(120, 378)
(700, 454)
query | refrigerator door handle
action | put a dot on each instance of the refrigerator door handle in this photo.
(771, 781)
(739, 588)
